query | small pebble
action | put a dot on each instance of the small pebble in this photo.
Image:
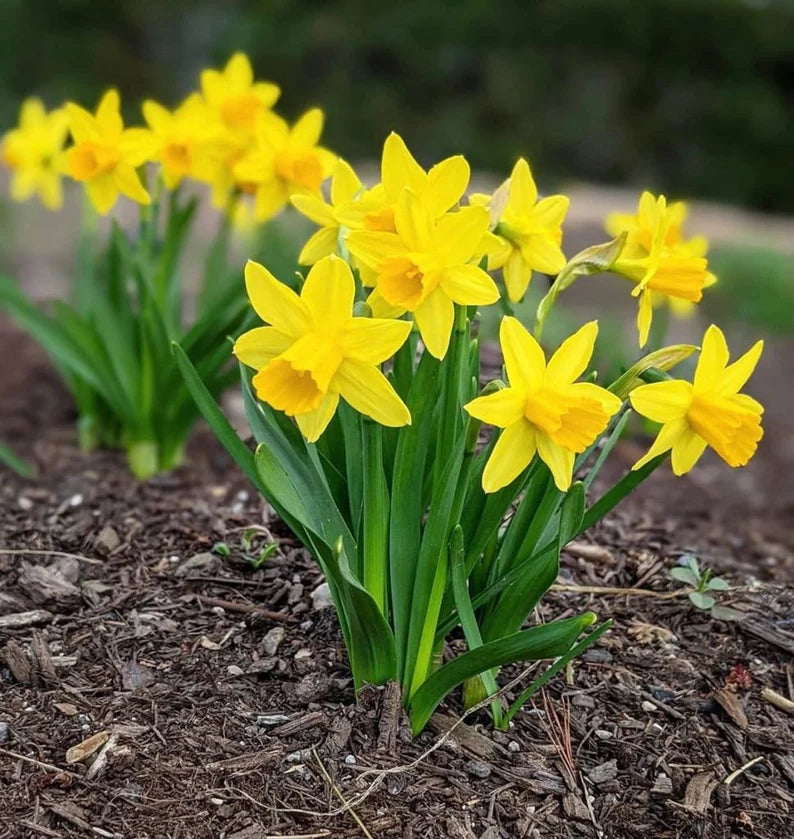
(513, 746)
(603, 734)
(273, 639)
(24, 503)
(477, 768)
(301, 756)
(350, 759)
(648, 706)
(321, 597)
(269, 720)
(3, 732)
(234, 670)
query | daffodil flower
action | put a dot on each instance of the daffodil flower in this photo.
(544, 409)
(708, 412)
(439, 189)
(663, 264)
(529, 230)
(345, 186)
(105, 154)
(424, 268)
(237, 98)
(314, 351)
(33, 152)
(179, 137)
(285, 161)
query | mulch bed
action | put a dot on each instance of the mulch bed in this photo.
(220, 703)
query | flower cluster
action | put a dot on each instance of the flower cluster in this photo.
(225, 135)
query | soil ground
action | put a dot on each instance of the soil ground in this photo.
(213, 722)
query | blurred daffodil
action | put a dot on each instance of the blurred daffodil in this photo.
(544, 409)
(236, 96)
(708, 412)
(529, 230)
(105, 154)
(658, 261)
(33, 151)
(345, 186)
(314, 351)
(285, 161)
(425, 267)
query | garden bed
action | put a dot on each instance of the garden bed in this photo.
(225, 706)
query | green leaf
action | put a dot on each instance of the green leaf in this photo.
(546, 641)
(542, 680)
(236, 448)
(718, 584)
(594, 260)
(684, 575)
(663, 359)
(701, 600)
(13, 461)
(725, 613)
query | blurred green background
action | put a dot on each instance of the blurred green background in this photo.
(692, 97)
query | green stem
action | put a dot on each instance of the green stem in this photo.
(451, 422)
(376, 514)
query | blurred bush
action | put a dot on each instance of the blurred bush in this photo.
(693, 97)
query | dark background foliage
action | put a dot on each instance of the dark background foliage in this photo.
(693, 97)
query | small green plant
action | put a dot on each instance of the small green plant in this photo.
(689, 572)
(252, 549)
(17, 464)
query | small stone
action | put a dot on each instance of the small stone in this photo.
(603, 772)
(582, 700)
(295, 594)
(662, 785)
(234, 670)
(3, 732)
(648, 707)
(273, 639)
(603, 734)
(76, 500)
(596, 655)
(514, 747)
(350, 760)
(477, 768)
(198, 562)
(107, 540)
(321, 597)
(271, 720)
(261, 666)
(301, 756)
(135, 676)
(313, 687)
(24, 503)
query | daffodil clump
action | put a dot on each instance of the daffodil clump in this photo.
(437, 494)
(112, 340)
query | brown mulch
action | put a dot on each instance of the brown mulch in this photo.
(200, 697)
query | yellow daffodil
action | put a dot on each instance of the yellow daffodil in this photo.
(658, 261)
(529, 230)
(424, 268)
(33, 152)
(180, 138)
(314, 351)
(708, 412)
(345, 186)
(285, 161)
(235, 96)
(439, 189)
(105, 154)
(544, 409)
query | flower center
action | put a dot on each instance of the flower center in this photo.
(300, 167)
(177, 158)
(402, 282)
(240, 111)
(572, 421)
(89, 160)
(682, 277)
(731, 430)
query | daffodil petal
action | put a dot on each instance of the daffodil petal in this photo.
(373, 340)
(276, 303)
(446, 183)
(644, 316)
(662, 401)
(524, 359)
(313, 423)
(368, 391)
(308, 129)
(434, 317)
(108, 115)
(512, 453)
(137, 145)
(666, 438)
(258, 346)
(501, 409)
(329, 292)
(713, 358)
(517, 273)
(458, 235)
(559, 460)
(314, 208)
(129, 183)
(550, 212)
(345, 184)
(372, 246)
(544, 254)
(523, 192)
(321, 243)
(238, 72)
(573, 355)
(399, 168)
(412, 221)
(687, 450)
(736, 375)
(469, 285)
(270, 199)
(103, 192)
